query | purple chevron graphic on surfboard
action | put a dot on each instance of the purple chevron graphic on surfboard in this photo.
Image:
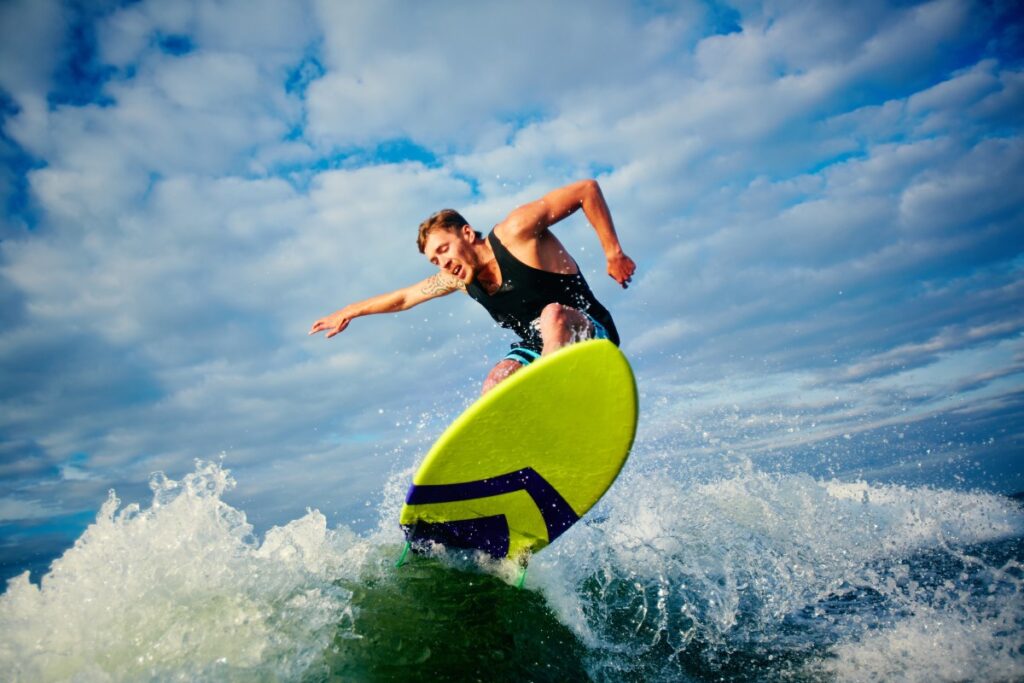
(490, 534)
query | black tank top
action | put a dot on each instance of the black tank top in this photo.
(525, 291)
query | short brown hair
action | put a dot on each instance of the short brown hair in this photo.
(445, 219)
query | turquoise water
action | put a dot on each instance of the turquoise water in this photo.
(744, 576)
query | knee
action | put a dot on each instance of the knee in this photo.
(558, 319)
(498, 373)
(553, 315)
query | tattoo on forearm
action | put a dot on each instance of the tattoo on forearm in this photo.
(442, 283)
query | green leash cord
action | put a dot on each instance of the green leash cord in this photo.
(522, 578)
(401, 558)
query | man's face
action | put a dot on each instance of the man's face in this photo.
(452, 252)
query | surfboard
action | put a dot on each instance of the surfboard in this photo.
(528, 459)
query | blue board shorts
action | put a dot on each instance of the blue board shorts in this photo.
(525, 355)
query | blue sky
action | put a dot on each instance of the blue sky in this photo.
(823, 198)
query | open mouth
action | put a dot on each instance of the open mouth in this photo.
(457, 272)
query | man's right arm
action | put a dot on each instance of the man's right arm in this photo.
(530, 220)
(439, 284)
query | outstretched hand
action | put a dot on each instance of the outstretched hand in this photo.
(334, 323)
(621, 268)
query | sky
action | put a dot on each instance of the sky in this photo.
(823, 199)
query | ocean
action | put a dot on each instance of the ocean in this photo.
(731, 574)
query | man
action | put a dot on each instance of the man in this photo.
(520, 273)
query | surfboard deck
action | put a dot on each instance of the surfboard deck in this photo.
(528, 459)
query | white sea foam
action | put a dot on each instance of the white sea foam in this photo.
(758, 562)
(936, 645)
(180, 590)
(745, 564)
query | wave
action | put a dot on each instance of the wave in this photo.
(754, 574)
(181, 589)
(745, 576)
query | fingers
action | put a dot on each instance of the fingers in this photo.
(622, 271)
(338, 328)
(628, 269)
(328, 324)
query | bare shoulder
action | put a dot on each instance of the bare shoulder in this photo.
(524, 223)
(531, 220)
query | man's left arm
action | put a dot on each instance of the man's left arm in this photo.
(532, 219)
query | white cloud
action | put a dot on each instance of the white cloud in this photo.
(13, 509)
(819, 189)
(979, 189)
(946, 341)
(30, 35)
(451, 75)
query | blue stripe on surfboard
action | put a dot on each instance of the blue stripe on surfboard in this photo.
(489, 534)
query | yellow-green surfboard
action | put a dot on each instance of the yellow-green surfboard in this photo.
(530, 458)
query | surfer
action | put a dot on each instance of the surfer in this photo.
(520, 273)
